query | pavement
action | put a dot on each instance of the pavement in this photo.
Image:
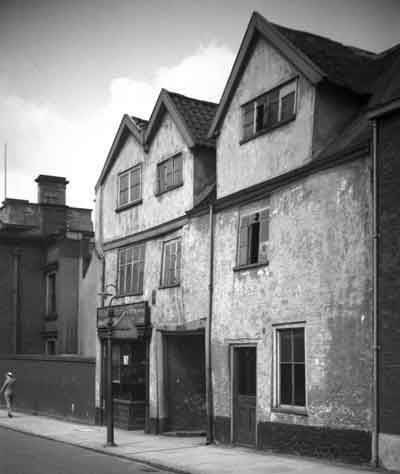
(189, 455)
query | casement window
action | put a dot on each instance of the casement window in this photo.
(291, 371)
(275, 107)
(130, 186)
(169, 174)
(130, 270)
(51, 294)
(171, 263)
(253, 238)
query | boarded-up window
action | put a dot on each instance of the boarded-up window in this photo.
(269, 109)
(130, 186)
(291, 367)
(171, 264)
(253, 238)
(169, 174)
(130, 270)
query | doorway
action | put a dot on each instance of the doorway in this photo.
(244, 395)
(185, 382)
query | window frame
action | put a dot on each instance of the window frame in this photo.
(51, 307)
(164, 163)
(260, 261)
(277, 405)
(133, 262)
(178, 263)
(130, 202)
(262, 99)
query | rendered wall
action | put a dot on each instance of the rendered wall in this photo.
(155, 209)
(280, 150)
(319, 272)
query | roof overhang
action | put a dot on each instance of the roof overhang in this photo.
(165, 104)
(259, 26)
(127, 126)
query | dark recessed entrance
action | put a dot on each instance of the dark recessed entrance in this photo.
(185, 382)
(244, 395)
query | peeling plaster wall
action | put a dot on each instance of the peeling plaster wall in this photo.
(280, 150)
(155, 209)
(177, 306)
(318, 272)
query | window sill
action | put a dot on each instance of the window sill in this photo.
(162, 287)
(250, 266)
(171, 188)
(290, 410)
(127, 206)
(122, 295)
(267, 130)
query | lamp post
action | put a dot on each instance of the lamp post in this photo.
(109, 394)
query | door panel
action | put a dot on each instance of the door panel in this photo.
(245, 396)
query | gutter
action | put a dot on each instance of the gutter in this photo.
(209, 392)
(376, 348)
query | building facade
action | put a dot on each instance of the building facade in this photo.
(293, 318)
(45, 249)
(153, 229)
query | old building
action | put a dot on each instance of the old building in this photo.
(293, 319)
(153, 229)
(45, 247)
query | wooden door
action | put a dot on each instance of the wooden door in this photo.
(245, 395)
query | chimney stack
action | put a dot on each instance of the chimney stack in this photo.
(51, 189)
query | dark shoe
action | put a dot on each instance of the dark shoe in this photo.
(9, 415)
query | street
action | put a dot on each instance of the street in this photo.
(26, 454)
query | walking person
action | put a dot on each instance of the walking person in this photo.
(8, 390)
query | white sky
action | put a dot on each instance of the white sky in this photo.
(69, 69)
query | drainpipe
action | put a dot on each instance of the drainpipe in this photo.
(210, 431)
(375, 292)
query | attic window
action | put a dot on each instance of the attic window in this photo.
(169, 174)
(269, 110)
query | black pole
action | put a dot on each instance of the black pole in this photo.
(110, 414)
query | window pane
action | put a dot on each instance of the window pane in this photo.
(128, 288)
(123, 188)
(259, 117)
(243, 241)
(121, 283)
(299, 385)
(286, 384)
(298, 342)
(254, 242)
(135, 184)
(285, 345)
(247, 371)
(177, 170)
(287, 106)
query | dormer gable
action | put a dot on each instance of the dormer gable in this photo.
(317, 58)
(191, 116)
(130, 125)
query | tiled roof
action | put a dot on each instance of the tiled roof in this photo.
(197, 114)
(344, 65)
(139, 122)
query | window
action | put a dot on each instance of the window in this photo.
(130, 186)
(51, 298)
(268, 110)
(253, 238)
(130, 270)
(291, 367)
(169, 174)
(171, 264)
(50, 348)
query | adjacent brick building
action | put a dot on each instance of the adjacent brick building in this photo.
(153, 229)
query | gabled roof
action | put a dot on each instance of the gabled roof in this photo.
(191, 116)
(129, 125)
(316, 57)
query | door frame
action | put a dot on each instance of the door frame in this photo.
(233, 370)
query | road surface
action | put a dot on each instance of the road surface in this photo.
(25, 454)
